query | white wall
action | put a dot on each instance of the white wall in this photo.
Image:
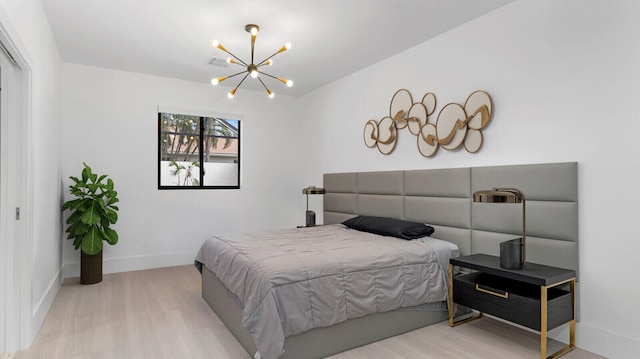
(30, 32)
(561, 74)
(110, 122)
(564, 80)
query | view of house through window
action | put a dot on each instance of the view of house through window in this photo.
(198, 151)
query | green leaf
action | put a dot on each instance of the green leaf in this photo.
(73, 204)
(112, 236)
(92, 241)
(113, 216)
(80, 229)
(86, 173)
(92, 215)
(71, 235)
(76, 180)
(78, 192)
(74, 217)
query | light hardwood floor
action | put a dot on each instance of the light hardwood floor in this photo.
(160, 313)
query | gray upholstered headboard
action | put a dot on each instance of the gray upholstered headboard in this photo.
(443, 199)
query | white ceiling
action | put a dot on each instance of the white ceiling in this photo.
(172, 38)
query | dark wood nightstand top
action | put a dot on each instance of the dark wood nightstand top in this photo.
(534, 273)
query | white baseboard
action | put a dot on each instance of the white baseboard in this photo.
(44, 303)
(607, 344)
(117, 265)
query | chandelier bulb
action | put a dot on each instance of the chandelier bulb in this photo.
(268, 62)
(253, 70)
(218, 45)
(252, 29)
(218, 80)
(289, 83)
(284, 47)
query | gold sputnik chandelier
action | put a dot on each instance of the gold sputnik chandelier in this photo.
(252, 68)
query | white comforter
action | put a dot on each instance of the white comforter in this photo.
(290, 281)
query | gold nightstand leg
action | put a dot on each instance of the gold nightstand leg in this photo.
(450, 299)
(572, 325)
(543, 322)
(451, 313)
(543, 327)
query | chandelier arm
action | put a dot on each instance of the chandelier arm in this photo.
(264, 73)
(265, 60)
(269, 92)
(283, 48)
(284, 81)
(234, 56)
(253, 42)
(230, 76)
(263, 85)
(241, 81)
(233, 92)
(241, 72)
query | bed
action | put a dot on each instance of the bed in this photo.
(440, 198)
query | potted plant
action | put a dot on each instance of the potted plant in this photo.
(93, 211)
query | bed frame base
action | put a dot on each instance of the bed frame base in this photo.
(319, 342)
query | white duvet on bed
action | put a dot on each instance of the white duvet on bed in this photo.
(290, 281)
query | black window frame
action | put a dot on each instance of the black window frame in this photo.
(201, 138)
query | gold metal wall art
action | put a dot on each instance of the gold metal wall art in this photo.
(455, 126)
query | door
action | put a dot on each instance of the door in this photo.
(10, 154)
(5, 69)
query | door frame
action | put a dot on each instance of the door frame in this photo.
(16, 186)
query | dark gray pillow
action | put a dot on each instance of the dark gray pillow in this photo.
(389, 227)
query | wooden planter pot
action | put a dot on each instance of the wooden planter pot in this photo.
(90, 268)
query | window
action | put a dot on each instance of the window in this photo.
(198, 152)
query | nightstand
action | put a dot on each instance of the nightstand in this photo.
(538, 297)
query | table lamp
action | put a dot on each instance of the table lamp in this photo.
(310, 216)
(513, 253)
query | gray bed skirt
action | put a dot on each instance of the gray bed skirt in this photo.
(319, 342)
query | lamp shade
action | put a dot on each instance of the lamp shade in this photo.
(313, 190)
(499, 195)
